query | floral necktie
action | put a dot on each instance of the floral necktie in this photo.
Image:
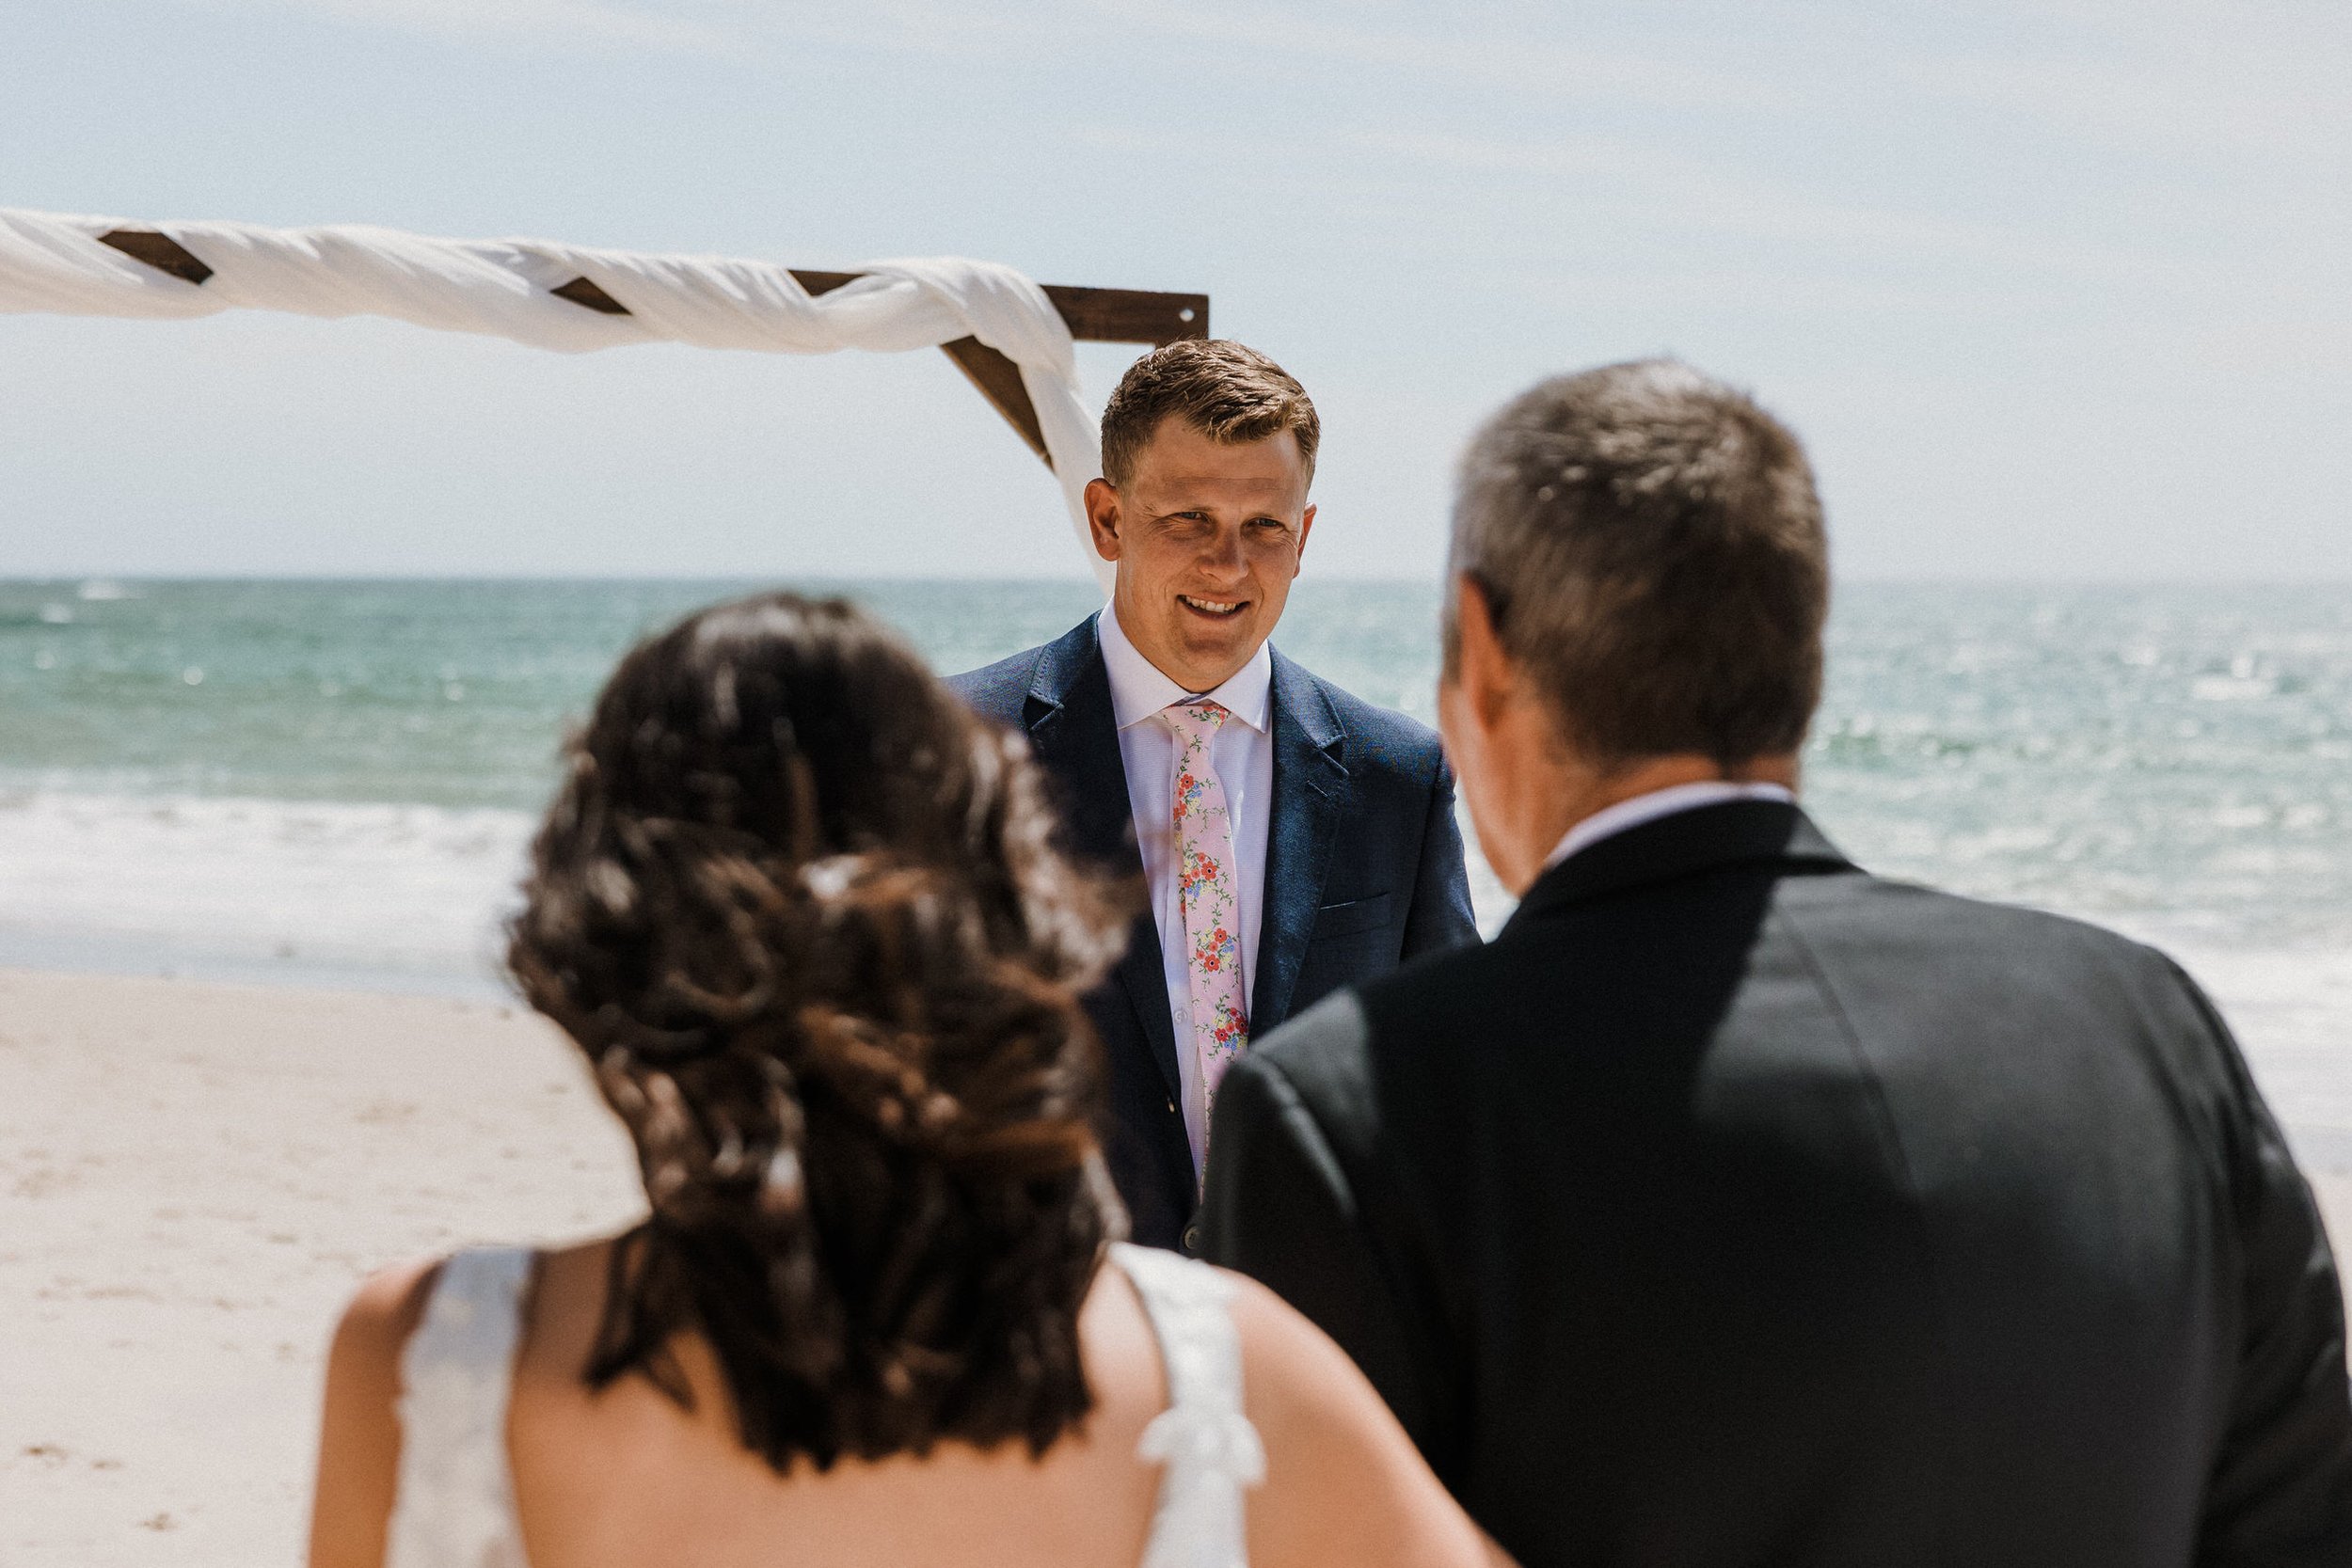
(1207, 893)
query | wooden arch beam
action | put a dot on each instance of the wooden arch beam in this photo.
(1094, 315)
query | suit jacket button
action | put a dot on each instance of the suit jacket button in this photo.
(1192, 1238)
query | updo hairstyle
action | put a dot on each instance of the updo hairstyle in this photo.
(801, 912)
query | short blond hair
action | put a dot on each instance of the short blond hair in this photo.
(1228, 391)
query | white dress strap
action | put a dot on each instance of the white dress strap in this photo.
(1205, 1438)
(456, 1503)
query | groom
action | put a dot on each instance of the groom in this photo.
(1293, 838)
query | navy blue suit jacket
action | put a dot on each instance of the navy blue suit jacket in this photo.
(1363, 871)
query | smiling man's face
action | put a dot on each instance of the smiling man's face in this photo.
(1207, 537)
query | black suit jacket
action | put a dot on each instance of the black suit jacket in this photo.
(1735, 1206)
(1363, 869)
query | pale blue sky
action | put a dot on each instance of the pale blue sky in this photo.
(2052, 289)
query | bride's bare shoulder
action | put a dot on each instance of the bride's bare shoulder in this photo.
(1293, 1377)
(364, 1361)
(359, 1429)
(378, 1320)
(1343, 1481)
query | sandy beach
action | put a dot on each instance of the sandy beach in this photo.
(193, 1175)
(192, 1179)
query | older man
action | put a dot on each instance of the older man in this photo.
(1293, 838)
(1734, 1206)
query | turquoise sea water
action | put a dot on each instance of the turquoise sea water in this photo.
(2179, 754)
(339, 776)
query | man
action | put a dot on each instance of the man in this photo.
(1734, 1206)
(1293, 838)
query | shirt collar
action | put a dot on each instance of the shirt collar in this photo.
(1139, 689)
(1611, 820)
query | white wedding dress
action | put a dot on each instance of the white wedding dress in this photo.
(456, 1505)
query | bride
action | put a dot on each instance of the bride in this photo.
(802, 915)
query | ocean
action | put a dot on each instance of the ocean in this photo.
(333, 781)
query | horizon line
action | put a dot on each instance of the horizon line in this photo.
(76, 578)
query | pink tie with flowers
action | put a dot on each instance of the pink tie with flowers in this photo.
(1207, 893)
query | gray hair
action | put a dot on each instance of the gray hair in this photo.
(1650, 545)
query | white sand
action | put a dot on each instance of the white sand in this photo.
(193, 1177)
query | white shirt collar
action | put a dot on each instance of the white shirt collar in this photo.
(1611, 820)
(1139, 689)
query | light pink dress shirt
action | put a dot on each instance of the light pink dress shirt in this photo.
(1242, 753)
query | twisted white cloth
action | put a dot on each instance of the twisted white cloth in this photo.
(52, 263)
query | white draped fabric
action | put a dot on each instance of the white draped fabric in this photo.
(52, 263)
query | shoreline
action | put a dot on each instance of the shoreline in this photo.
(2289, 1005)
(194, 1176)
(110, 957)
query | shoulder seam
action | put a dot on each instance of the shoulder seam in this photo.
(1889, 1131)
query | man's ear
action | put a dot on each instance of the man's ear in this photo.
(1306, 526)
(1487, 678)
(1102, 517)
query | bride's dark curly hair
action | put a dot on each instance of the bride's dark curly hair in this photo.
(801, 912)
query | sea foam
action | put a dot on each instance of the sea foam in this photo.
(222, 885)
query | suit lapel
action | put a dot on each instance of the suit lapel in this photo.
(1071, 731)
(1309, 786)
(1074, 734)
